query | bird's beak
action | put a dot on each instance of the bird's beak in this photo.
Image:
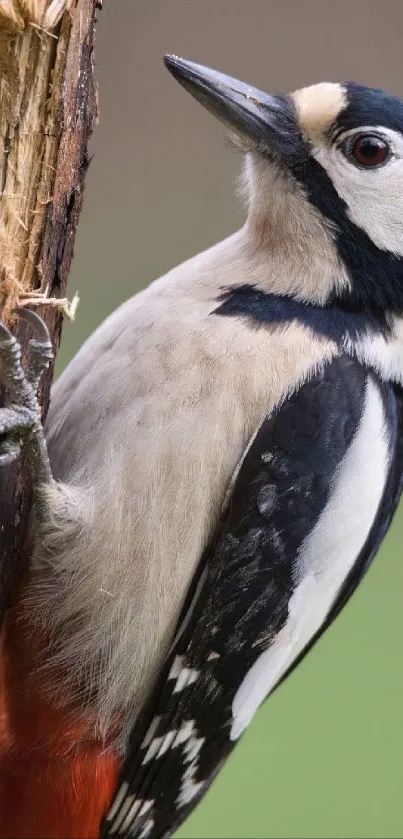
(268, 120)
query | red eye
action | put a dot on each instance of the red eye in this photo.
(369, 150)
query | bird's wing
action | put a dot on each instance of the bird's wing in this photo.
(309, 506)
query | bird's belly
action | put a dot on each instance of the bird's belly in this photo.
(152, 495)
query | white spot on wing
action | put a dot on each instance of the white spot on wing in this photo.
(187, 677)
(119, 798)
(117, 825)
(146, 806)
(167, 742)
(185, 731)
(326, 556)
(267, 499)
(189, 788)
(139, 808)
(177, 667)
(212, 656)
(152, 750)
(130, 805)
(151, 731)
(193, 747)
(173, 738)
(146, 829)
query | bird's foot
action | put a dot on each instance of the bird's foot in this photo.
(20, 419)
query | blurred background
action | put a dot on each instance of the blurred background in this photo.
(323, 757)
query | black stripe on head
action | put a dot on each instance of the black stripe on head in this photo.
(376, 275)
(370, 106)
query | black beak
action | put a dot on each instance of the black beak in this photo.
(270, 121)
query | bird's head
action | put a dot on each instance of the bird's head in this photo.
(328, 156)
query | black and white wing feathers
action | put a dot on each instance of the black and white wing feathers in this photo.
(312, 500)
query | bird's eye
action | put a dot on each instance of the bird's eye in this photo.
(367, 150)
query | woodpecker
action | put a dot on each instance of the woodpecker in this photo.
(219, 465)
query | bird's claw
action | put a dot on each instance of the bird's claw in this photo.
(20, 419)
(39, 350)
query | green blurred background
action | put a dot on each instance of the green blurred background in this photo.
(323, 757)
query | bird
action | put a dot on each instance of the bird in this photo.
(219, 465)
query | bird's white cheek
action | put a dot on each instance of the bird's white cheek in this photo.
(373, 198)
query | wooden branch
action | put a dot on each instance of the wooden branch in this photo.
(47, 112)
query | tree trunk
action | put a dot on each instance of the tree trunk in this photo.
(47, 112)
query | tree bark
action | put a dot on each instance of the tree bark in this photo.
(48, 108)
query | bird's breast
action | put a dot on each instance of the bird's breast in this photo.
(150, 424)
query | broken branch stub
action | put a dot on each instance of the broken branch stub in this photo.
(47, 112)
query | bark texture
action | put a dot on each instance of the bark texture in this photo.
(47, 112)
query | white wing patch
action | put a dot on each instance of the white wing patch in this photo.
(325, 558)
(383, 354)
